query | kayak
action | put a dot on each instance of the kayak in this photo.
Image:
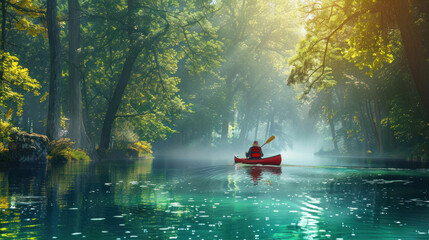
(274, 160)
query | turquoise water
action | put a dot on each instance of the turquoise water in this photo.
(159, 199)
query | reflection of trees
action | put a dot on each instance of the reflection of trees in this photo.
(22, 203)
(38, 193)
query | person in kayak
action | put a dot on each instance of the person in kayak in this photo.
(255, 151)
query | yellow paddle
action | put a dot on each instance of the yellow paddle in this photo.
(269, 140)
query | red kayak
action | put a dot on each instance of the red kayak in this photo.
(274, 160)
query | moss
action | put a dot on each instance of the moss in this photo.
(61, 151)
(79, 155)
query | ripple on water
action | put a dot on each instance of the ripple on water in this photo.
(240, 202)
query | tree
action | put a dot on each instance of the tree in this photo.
(368, 27)
(77, 129)
(257, 33)
(13, 77)
(141, 47)
(54, 110)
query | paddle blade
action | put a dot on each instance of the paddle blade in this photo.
(269, 140)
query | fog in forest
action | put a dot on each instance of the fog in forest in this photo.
(131, 119)
(203, 79)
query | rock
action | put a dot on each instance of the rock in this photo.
(28, 148)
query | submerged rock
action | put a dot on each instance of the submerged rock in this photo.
(28, 148)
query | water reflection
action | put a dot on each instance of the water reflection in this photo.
(133, 199)
(256, 173)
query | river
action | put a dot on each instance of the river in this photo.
(172, 199)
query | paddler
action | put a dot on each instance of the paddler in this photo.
(255, 151)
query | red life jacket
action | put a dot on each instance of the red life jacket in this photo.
(255, 152)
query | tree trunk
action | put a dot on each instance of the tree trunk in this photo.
(225, 127)
(270, 133)
(245, 122)
(88, 128)
(269, 123)
(115, 101)
(379, 127)
(257, 128)
(334, 138)
(364, 126)
(414, 50)
(54, 109)
(372, 117)
(226, 114)
(77, 130)
(135, 48)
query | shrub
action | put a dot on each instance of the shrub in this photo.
(60, 151)
(141, 147)
(6, 128)
(79, 155)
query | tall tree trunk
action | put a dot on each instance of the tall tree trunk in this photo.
(371, 112)
(88, 128)
(334, 138)
(245, 122)
(379, 127)
(270, 133)
(257, 128)
(135, 48)
(364, 127)
(54, 109)
(414, 50)
(115, 101)
(227, 111)
(77, 129)
(269, 122)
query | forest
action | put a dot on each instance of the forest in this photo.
(346, 77)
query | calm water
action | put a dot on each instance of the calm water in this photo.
(161, 199)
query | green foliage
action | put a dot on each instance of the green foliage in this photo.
(24, 12)
(15, 79)
(142, 147)
(151, 99)
(80, 155)
(359, 31)
(6, 128)
(257, 36)
(409, 126)
(60, 151)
